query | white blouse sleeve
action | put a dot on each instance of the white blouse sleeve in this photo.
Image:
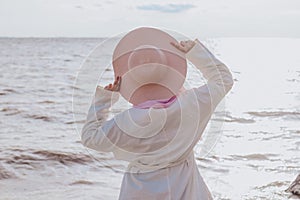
(104, 135)
(96, 127)
(218, 76)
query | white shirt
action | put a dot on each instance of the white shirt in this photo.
(158, 143)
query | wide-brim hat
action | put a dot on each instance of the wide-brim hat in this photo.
(151, 68)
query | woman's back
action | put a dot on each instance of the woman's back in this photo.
(158, 143)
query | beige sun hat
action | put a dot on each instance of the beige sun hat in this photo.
(151, 68)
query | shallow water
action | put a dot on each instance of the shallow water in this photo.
(256, 156)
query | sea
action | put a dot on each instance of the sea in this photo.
(249, 151)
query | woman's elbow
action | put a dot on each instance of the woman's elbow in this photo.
(85, 139)
(96, 140)
(229, 84)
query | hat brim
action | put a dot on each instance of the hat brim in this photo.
(176, 62)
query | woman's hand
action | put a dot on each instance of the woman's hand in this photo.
(184, 46)
(115, 86)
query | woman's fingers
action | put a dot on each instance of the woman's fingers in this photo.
(115, 86)
(184, 46)
(178, 46)
(118, 83)
(107, 87)
(174, 44)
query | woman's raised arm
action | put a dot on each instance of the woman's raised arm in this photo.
(218, 76)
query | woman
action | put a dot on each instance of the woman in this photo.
(157, 172)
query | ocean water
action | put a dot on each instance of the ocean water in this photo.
(255, 153)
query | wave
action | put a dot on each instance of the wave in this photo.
(75, 122)
(229, 119)
(46, 102)
(14, 111)
(272, 184)
(293, 80)
(81, 182)
(42, 117)
(64, 158)
(7, 91)
(31, 157)
(10, 111)
(35, 160)
(274, 113)
(256, 156)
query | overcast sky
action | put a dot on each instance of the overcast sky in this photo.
(104, 18)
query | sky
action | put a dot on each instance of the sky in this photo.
(106, 18)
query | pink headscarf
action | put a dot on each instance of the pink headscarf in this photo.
(160, 103)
